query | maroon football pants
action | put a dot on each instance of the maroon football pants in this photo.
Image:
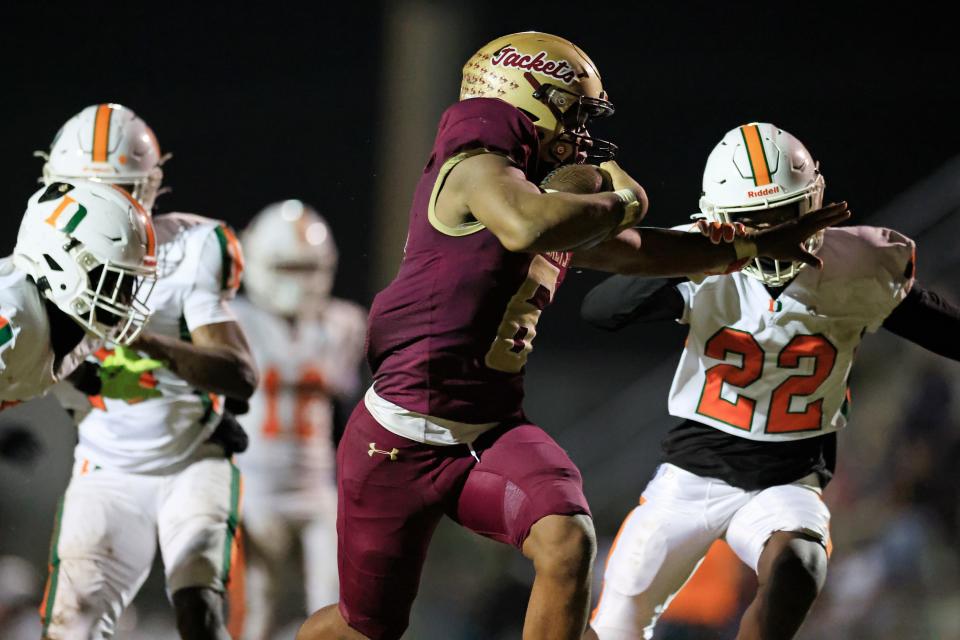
(393, 492)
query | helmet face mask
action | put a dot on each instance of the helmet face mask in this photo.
(553, 82)
(775, 273)
(118, 301)
(90, 249)
(298, 286)
(761, 175)
(572, 141)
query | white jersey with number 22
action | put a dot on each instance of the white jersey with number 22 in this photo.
(777, 369)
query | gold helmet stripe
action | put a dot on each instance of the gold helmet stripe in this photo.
(101, 133)
(756, 154)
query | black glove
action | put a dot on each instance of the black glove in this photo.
(230, 435)
(236, 406)
(86, 378)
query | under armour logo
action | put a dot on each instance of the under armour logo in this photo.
(392, 454)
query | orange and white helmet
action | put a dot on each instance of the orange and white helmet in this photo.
(553, 82)
(107, 143)
(91, 249)
(290, 259)
(760, 166)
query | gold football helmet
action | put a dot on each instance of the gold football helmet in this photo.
(553, 82)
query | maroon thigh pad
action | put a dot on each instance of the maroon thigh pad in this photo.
(393, 491)
(522, 476)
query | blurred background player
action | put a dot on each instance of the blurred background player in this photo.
(20, 583)
(308, 347)
(158, 465)
(442, 430)
(762, 386)
(83, 267)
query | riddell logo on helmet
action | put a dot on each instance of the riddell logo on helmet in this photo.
(766, 191)
(539, 63)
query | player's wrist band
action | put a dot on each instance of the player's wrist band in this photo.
(631, 209)
(744, 248)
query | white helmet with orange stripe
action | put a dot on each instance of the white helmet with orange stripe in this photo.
(758, 167)
(290, 258)
(107, 143)
(91, 249)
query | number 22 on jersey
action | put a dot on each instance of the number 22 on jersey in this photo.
(780, 418)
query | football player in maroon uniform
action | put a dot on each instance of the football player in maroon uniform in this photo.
(442, 430)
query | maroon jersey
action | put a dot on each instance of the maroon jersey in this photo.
(449, 337)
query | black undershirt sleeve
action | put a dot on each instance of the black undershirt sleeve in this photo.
(622, 300)
(925, 318)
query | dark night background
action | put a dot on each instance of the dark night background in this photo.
(260, 102)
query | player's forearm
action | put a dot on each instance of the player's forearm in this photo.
(216, 369)
(668, 252)
(650, 251)
(567, 222)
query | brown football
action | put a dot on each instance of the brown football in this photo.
(577, 178)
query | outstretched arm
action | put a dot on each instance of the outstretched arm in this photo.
(666, 252)
(927, 319)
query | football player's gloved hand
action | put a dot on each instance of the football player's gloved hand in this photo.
(630, 193)
(124, 375)
(230, 435)
(620, 179)
(237, 406)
